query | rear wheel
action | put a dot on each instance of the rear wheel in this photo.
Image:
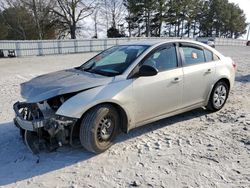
(218, 96)
(99, 128)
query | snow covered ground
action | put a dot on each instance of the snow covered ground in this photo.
(195, 149)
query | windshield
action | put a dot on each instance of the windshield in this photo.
(114, 61)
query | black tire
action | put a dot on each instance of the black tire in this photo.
(21, 131)
(211, 106)
(31, 140)
(99, 120)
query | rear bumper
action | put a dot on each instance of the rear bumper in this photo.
(20, 122)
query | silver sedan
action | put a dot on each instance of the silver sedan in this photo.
(119, 89)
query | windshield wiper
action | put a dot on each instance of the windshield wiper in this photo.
(103, 73)
(88, 68)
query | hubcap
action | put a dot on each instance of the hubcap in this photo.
(220, 95)
(105, 129)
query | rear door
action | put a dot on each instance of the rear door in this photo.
(198, 70)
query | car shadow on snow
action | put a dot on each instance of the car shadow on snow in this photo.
(170, 121)
(17, 163)
(243, 78)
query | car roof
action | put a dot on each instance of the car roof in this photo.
(156, 42)
(144, 42)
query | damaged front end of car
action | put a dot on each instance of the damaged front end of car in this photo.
(41, 126)
(42, 129)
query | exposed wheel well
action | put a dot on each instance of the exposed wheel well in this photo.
(122, 113)
(226, 81)
(210, 105)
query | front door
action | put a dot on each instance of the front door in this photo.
(157, 95)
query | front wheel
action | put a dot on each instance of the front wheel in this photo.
(218, 96)
(99, 128)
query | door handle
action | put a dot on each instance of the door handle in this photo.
(176, 80)
(209, 71)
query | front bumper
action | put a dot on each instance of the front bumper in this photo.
(43, 129)
(36, 123)
(30, 125)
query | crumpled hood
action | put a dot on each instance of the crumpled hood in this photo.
(62, 82)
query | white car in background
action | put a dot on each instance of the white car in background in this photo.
(119, 89)
(209, 41)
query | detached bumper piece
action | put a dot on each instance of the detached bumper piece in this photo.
(43, 129)
(28, 117)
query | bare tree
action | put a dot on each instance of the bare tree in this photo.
(113, 11)
(41, 10)
(4, 4)
(14, 19)
(95, 19)
(40, 20)
(71, 12)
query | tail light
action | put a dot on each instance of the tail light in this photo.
(234, 65)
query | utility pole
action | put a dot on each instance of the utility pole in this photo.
(248, 32)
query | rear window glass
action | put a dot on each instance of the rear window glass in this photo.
(209, 55)
(193, 55)
(216, 58)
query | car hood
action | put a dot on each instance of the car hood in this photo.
(62, 82)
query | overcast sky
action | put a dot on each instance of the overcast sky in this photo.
(245, 6)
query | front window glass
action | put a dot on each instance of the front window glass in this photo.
(114, 61)
(163, 59)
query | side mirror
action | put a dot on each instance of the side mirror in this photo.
(147, 70)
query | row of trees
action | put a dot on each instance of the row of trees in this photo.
(50, 19)
(189, 18)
